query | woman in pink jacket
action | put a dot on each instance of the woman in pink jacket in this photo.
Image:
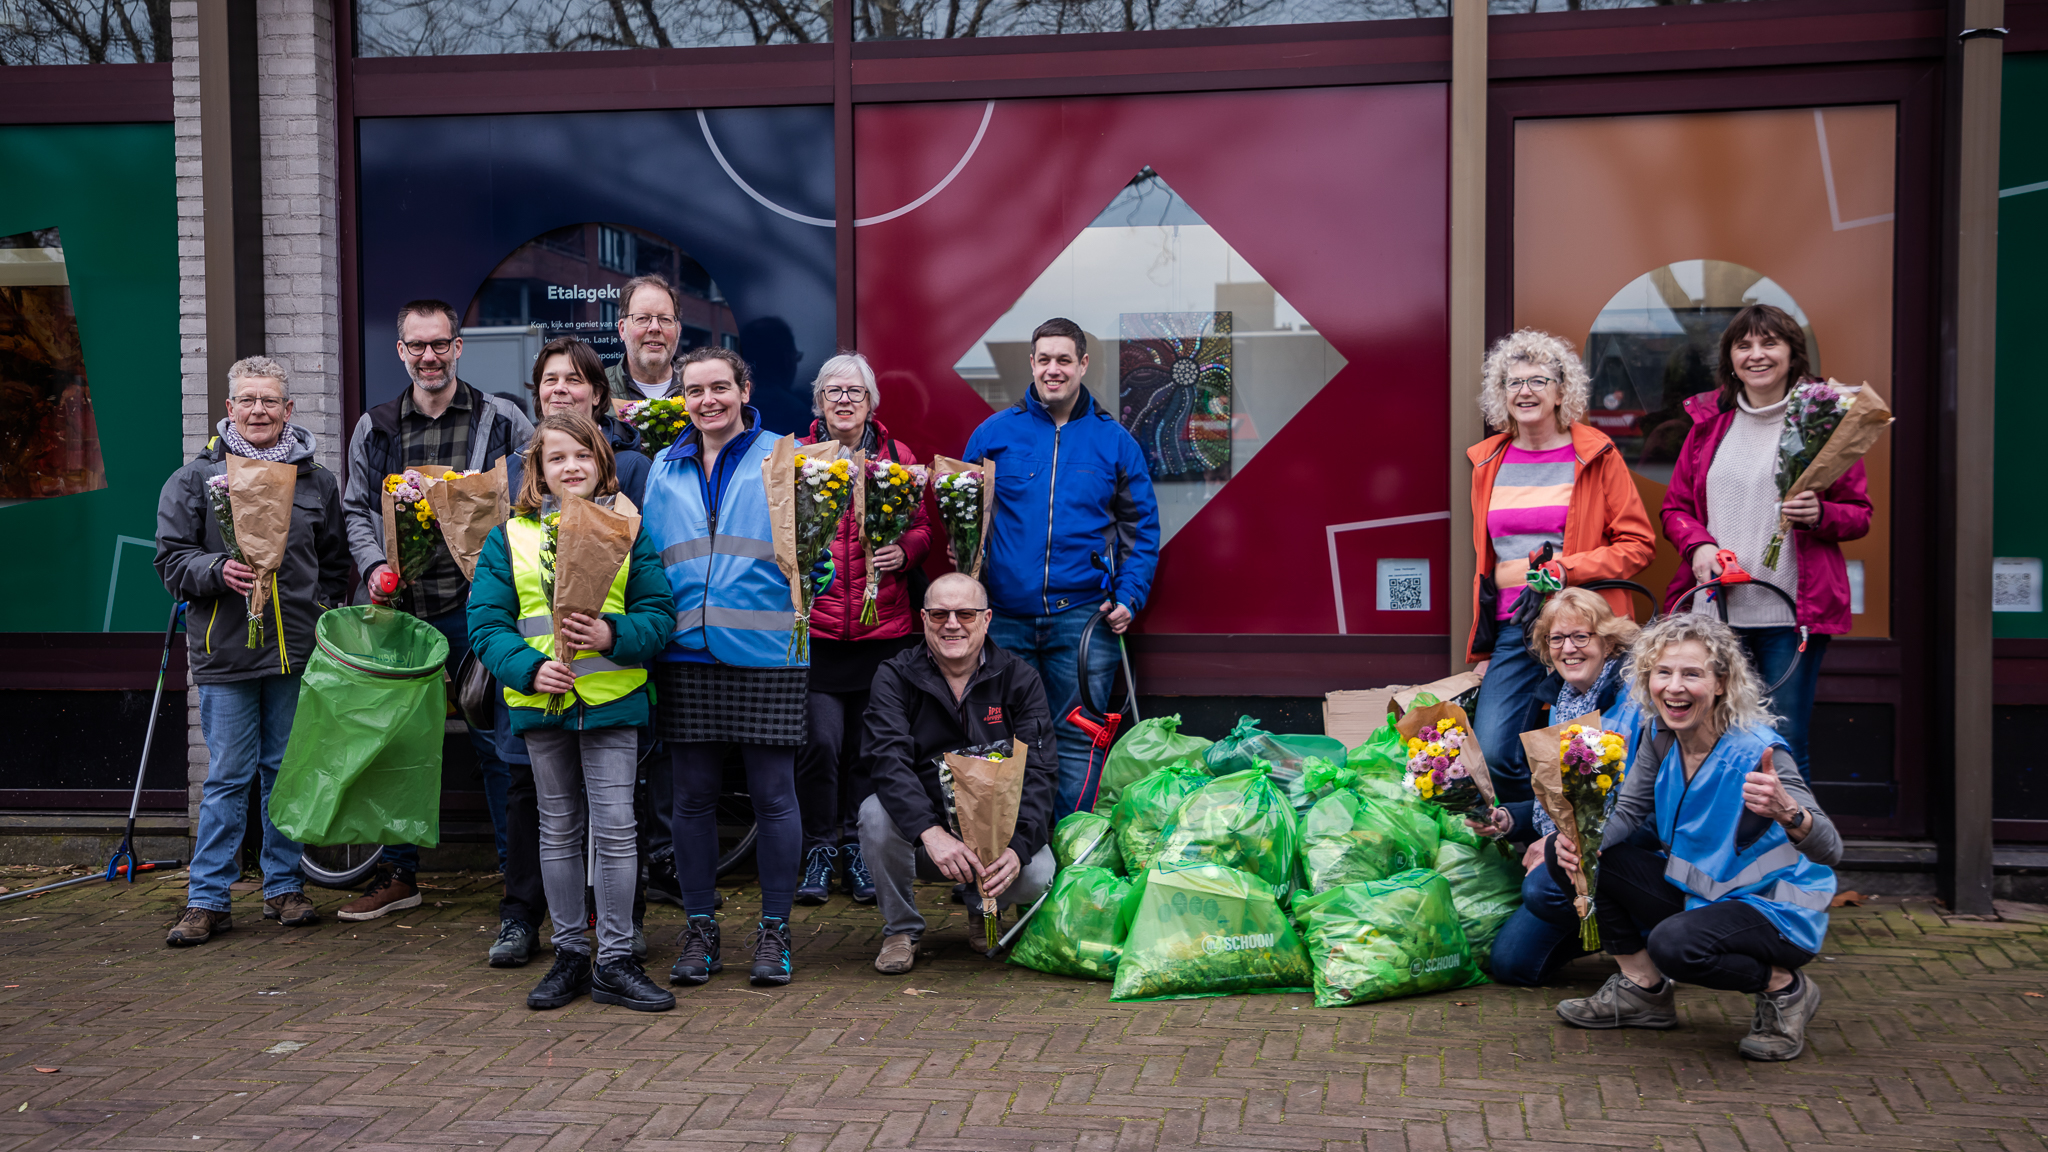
(845, 653)
(1724, 496)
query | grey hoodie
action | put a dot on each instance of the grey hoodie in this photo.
(189, 556)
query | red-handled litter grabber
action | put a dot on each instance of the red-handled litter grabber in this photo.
(386, 584)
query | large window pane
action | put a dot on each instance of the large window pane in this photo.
(947, 19)
(479, 27)
(85, 31)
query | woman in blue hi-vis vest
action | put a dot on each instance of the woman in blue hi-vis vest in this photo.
(726, 682)
(1735, 895)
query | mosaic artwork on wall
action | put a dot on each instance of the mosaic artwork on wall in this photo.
(49, 443)
(1173, 382)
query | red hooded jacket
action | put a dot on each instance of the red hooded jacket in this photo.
(836, 614)
(1823, 599)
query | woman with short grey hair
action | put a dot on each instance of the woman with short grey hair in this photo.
(830, 783)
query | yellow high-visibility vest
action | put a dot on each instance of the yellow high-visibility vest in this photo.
(598, 679)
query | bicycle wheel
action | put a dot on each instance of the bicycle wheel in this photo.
(339, 865)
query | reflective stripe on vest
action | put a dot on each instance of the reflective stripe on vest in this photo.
(725, 544)
(598, 679)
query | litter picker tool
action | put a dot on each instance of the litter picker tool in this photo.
(124, 859)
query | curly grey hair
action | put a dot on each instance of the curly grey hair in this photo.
(846, 366)
(1741, 702)
(1554, 355)
(259, 367)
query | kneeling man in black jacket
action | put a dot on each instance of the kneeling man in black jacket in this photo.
(954, 691)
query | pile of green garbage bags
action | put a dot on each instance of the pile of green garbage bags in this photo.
(1266, 862)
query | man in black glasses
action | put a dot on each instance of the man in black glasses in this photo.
(438, 420)
(651, 332)
(954, 691)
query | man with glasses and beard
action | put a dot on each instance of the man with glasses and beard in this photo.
(649, 329)
(438, 420)
(954, 691)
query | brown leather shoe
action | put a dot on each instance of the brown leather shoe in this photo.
(197, 926)
(292, 910)
(899, 955)
(977, 930)
(388, 894)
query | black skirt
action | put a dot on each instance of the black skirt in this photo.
(850, 665)
(697, 703)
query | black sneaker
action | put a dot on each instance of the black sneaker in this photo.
(625, 983)
(662, 884)
(568, 979)
(816, 886)
(514, 946)
(860, 884)
(771, 952)
(700, 960)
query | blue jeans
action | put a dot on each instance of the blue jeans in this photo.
(1504, 698)
(405, 858)
(1543, 934)
(246, 724)
(1770, 651)
(1051, 644)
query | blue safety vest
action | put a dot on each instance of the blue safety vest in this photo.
(732, 600)
(1701, 823)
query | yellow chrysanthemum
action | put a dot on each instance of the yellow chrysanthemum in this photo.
(1604, 781)
(886, 508)
(1574, 730)
(1446, 724)
(802, 460)
(1433, 749)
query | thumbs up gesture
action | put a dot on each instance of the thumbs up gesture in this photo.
(1764, 794)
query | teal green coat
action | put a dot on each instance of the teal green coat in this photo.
(637, 634)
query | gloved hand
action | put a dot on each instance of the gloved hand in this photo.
(823, 573)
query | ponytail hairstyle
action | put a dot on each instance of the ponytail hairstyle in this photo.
(533, 486)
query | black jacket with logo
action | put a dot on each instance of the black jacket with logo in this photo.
(913, 719)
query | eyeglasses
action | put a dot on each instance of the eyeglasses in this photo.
(839, 395)
(267, 403)
(1528, 384)
(646, 320)
(1575, 639)
(939, 616)
(419, 347)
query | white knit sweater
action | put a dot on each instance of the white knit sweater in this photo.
(1742, 512)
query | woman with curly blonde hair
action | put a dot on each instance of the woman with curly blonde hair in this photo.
(1731, 889)
(1549, 495)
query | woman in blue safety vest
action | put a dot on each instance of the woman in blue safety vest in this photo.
(726, 681)
(578, 707)
(1735, 894)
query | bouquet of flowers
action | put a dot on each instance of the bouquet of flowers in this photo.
(660, 422)
(411, 534)
(1445, 766)
(1828, 428)
(965, 492)
(468, 505)
(550, 547)
(983, 788)
(251, 501)
(223, 513)
(1575, 769)
(808, 491)
(892, 496)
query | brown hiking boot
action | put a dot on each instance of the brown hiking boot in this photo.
(197, 926)
(292, 910)
(387, 894)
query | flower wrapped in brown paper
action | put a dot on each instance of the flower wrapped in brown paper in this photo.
(1586, 819)
(987, 791)
(260, 494)
(965, 494)
(809, 488)
(1459, 784)
(410, 540)
(1864, 418)
(468, 505)
(592, 543)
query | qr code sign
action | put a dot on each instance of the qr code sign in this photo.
(2015, 584)
(1403, 586)
(1404, 594)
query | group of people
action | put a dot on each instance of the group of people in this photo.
(613, 733)
(621, 726)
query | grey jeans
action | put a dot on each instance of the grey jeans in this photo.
(571, 771)
(893, 862)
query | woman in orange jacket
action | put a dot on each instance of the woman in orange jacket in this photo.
(1547, 481)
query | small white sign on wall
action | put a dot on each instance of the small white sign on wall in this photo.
(1856, 587)
(1403, 586)
(2016, 584)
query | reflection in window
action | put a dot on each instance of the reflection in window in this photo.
(85, 31)
(1201, 360)
(948, 19)
(473, 27)
(49, 441)
(1658, 342)
(568, 283)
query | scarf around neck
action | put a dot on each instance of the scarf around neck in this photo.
(276, 453)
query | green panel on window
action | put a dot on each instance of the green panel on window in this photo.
(2020, 520)
(78, 552)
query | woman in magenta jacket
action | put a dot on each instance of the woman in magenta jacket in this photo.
(845, 653)
(1724, 496)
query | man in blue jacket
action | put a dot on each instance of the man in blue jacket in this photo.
(1071, 487)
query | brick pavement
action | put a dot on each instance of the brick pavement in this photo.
(1929, 1040)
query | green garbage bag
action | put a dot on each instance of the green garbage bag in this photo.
(1149, 746)
(1147, 807)
(1207, 930)
(1248, 744)
(1086, 840)
(1386, 938)
(1382, 755)
(1079, 931)
(363, 765)
(1452, 829)
(1400, 801)
(1349, 838)
(1486, 888)
(1240, 820)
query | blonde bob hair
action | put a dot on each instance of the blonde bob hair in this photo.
(1741, 702)
(1552, 354)
(1618, 633)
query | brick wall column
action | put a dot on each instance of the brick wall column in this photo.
(195, 417)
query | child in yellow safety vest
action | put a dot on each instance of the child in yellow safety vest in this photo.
(577, 694)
